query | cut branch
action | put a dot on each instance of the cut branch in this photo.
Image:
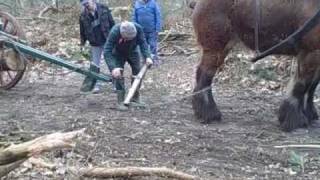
(166, 36)
(41, 163)
(5, 169)
(184, 51)
(308, 146)
(131, 172)
(172, 36)
(16, 153)
(53, 7)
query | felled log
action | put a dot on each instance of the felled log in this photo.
(172, 36)
(5, 169)
(128, 172)
(184, 51)
(53, 7)
(12, 156)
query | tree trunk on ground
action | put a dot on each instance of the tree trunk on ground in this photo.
(12, 156)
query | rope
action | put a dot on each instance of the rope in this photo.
(155, 105)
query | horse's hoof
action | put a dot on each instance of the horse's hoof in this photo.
(315, 124)
(206, 112)
(291, 116)
(300, 132)
(311, 114)
(211, 116)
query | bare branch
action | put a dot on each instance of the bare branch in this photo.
(308, 146)
(17, 153)
(131, 172)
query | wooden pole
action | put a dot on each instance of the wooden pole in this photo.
(135, 84)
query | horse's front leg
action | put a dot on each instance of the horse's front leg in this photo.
(213, 30)
(204, 106)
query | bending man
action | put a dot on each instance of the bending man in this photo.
(121, 47)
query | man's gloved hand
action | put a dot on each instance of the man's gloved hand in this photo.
(81, 48)
(149, 62)
(84, 51)
(116, 73)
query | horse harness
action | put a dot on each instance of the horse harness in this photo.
(291, 40)
(257, 25)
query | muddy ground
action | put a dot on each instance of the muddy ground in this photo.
(166, 134)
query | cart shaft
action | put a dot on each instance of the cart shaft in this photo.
(22, 48)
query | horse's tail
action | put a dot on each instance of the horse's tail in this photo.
(293, 38)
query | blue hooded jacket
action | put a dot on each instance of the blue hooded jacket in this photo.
(147, 15)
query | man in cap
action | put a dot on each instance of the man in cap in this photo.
(95, 23)
(121, 47)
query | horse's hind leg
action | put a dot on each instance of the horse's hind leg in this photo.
(310, 110)
(298, 110)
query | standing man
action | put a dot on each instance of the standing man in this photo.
(95, 23)
(121, 47)
(147, 14)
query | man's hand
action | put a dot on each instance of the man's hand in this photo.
(81, 47)
(149, 62)
(116, 73)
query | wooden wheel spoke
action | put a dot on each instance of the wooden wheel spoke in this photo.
(13, 30)
(1, 78)
(9, 75)
(10, 29)
(5, 23)
(9, 78)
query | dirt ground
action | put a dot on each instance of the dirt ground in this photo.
(166, 134)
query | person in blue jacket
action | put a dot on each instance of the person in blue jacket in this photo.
(147, 13)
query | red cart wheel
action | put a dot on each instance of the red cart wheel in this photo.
(12, 65)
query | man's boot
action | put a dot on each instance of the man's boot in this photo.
(89, 82)
(121, 95)
(136, 101)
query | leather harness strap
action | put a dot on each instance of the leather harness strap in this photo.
(257, 25)
(294, 38)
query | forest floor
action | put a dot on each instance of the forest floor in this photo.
(166, 134)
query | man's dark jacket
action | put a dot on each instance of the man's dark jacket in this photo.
(95, 28)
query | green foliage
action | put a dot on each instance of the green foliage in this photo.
(85, 53)
(266, 73)
(80, 55)
(297, 161)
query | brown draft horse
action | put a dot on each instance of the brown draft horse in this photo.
(217, 23)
